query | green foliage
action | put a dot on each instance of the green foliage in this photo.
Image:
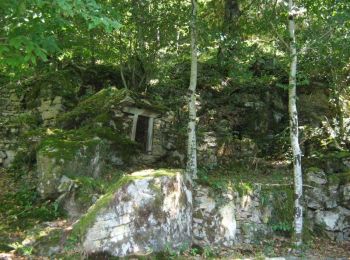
(78, 49)
(282, 200)
(22, 207)
(32, 29)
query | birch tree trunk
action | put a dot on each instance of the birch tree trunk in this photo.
(294, 132)
(191, 143)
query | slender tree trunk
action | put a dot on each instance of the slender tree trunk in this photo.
(122, 76)
(294, 132)
(191, 144)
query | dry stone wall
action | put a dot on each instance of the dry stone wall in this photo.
(50, 109)
(10, 107)
(229, 218)
(327, 198)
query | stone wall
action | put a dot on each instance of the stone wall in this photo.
(50, 109)
(327, 198)
(10, 107)
(160, 210)
(230, 218)
(13, 120)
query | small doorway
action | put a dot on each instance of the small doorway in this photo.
(141, 135)
(142, 127)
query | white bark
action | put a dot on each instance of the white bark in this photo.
(294, 132)
(191, 144)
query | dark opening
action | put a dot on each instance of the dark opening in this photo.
(142, 131)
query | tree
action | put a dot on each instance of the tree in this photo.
(294, 131)
(192, 143)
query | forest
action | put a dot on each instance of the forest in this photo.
(174, 129)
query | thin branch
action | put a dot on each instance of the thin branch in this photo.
(278, 36)
(307, 47)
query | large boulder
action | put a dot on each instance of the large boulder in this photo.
(150, 210)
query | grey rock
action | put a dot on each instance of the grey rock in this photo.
(316, 176)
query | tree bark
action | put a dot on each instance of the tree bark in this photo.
(192, 143)
(294, 132)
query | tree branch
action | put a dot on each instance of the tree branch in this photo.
(308, 47)
(279, 36)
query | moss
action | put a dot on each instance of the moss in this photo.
(87, 220)
(87, 188)
(244, 188)
(339, 178)
(46, 239)
(165, 172)
(64, 148)
(98, 105)
(25, 119)
(66, 143)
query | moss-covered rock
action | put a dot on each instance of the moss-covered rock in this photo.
(57, 157)
(147, 211)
